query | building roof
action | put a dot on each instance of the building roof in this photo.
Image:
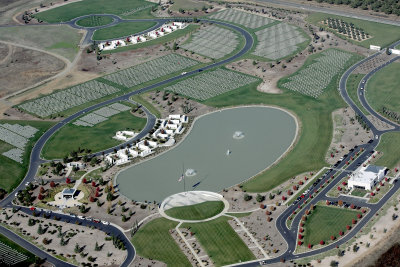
(68, 191)
(374, 169)
(366, 174)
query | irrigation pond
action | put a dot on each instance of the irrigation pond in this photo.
(222, 149)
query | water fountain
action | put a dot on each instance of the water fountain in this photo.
(238, 135)
(190, 172)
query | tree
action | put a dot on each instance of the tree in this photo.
(93, 161)
(260, 198)
(40, 230)
(247, 197)
(321, 242)
(309, 246)
(110, 196)
(97, 247)
(77, 248)
(68, 180)
(175, 46)
(52, 184)
(40, 197)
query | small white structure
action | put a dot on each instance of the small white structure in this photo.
(76, 164)
(68, 193)
(366, 177)
(395, 51)
(124, 135)
(131, 40)
(375, 47)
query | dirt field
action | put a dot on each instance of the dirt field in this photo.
(9, 8)
(347, 132)
(73, 234)
(23, 67)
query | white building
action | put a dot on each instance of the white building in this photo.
(77, 164)
(124, 135)
(366, 177)
(375, 47)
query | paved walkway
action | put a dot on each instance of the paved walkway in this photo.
(191, 198)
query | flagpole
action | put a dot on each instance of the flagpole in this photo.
(183, 175)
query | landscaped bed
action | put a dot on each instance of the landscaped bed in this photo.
(325, 222)
(154, 241)
(221, 242)
(94, 21)
(122, 29)
(199, 211)
(382, 34)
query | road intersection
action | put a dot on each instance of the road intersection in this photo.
(289, 234)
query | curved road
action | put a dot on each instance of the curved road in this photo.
(35, 159)
(288, 234)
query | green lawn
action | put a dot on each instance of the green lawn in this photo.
(383, 89)
(198, 211)
(59, 39)
(96, 138)
(139, 99)
(315, 133)
(327, 221)
(161, 40)
(94, 21)
(87, 7)
(187, 5)
(154, 241)
(382, 34)
(122, 29)
(12, 172)
(11, 244)
(221, 242)
(389, 146)
(352, 84)
(358, 192)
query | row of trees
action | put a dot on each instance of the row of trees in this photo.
(385, 6)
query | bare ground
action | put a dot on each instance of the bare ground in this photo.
(24, 67)
(177, 106)
(347, 133)
(74, 234)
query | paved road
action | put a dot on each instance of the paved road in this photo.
(35, 159)
(288, 234)
(313, 7)
(109, 229)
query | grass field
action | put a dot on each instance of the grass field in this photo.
(315, 131)
(327, 221)
(383, 89)
(358, 192)
(11, 172)
(96, 138)
(122, 29)
(87, 7)
(187, 5)
(59, 39)
(221, 242)
(198, 211)
(94, 21)
(389, 146)
(162, 40)
(154, 241)
(382, 34)
(139, 99)
(351, 86)
(11, 244)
